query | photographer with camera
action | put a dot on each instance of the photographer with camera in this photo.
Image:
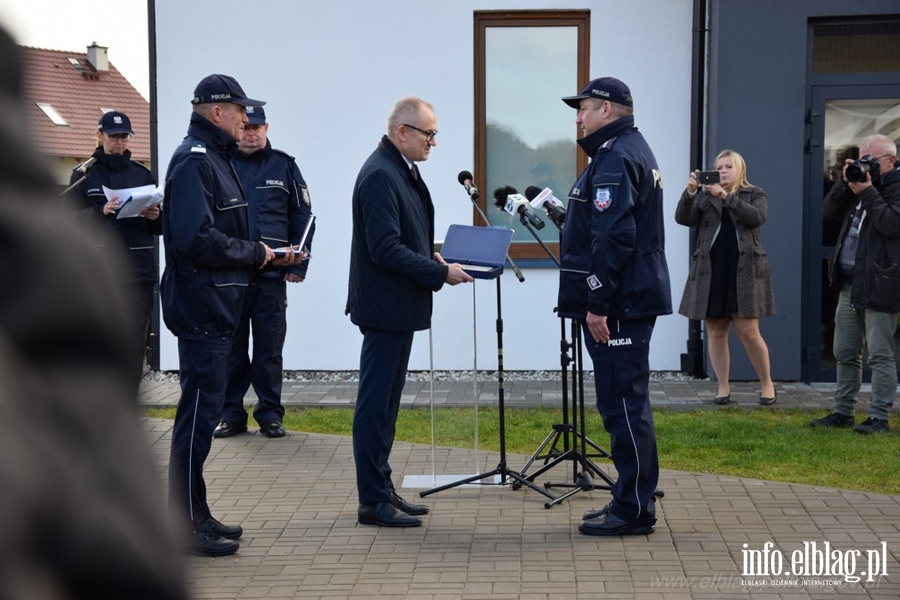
(729, 279)
(865, 267)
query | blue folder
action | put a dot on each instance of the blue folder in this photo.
(480, 250)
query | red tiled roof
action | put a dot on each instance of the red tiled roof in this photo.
(78, 94)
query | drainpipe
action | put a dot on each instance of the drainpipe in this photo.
(693, 361)
(155, 318)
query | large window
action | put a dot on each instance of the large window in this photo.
(525, 135)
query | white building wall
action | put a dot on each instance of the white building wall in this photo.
(331, 71)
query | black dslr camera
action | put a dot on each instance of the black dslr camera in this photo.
(862, 165)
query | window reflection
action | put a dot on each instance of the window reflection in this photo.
(529, 131)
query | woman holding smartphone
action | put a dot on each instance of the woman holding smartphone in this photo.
(729, 280)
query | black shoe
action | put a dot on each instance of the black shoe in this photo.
(594, 513)
(214, 527)
(408, 507)
(226, 429)
(768, 401)
(610, 524)
(722, 399)
(385, 515)
(834, 420)
(207, 544)
(272, 429)
(872, 425)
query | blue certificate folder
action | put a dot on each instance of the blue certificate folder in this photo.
(480, 250)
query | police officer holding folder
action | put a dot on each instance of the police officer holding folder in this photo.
(210, 263)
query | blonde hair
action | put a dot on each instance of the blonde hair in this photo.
(740, 170)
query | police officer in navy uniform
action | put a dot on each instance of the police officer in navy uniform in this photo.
(615, 280)
(134, 237)
(210, 263)
(279, 208)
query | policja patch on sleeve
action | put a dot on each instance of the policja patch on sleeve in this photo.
(594, 283)
(602, 198)
(304, 194)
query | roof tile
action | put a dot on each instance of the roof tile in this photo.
(78, 92)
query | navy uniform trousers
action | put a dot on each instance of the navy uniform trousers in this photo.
(142, 295)
(383, 361)
(622, 378)
(203, 363)
(268, 319)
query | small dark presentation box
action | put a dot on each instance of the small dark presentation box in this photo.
(480, 250)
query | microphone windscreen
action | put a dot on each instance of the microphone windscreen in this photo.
(501, 193)
(465, 176)
(532, 192)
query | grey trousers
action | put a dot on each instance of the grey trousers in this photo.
(853, 331)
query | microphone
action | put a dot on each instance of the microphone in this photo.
(465, 178)
(546, 200)
(85, 166)
(510, 200)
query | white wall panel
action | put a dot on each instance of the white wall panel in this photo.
(332, 70)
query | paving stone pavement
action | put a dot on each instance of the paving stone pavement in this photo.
(296, 499)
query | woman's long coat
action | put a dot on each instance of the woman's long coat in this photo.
(748, 208)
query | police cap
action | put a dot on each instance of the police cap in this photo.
(604, 88)
(222, 88)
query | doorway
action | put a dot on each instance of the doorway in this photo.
(840, 117)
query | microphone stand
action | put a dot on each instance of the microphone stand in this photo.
(509, 259)
(82, 168)
(582, 465)
(534, 234)
(74, 185)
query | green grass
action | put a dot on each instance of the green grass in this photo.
(777, 445)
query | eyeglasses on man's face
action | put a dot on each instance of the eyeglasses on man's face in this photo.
(429, 133)
(119, 137)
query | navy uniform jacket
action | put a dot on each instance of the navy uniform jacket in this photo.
(278, 201)
(392, 268)
(612, 251)
(117, 172)
(210, 259)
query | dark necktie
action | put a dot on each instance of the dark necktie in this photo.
(415, 172)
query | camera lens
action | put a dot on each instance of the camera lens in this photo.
(856, 172)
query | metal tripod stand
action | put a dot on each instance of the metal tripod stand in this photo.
(575, 443)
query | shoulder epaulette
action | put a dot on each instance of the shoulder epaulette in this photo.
(283, 153)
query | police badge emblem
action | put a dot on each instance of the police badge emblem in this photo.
(303, 192)
(594, 282)
(602, 199)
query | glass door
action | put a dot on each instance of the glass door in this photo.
(840, 117)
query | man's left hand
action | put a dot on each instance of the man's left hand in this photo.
(290, 258)
(597, 326)
(857, 186)
(294, 278)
